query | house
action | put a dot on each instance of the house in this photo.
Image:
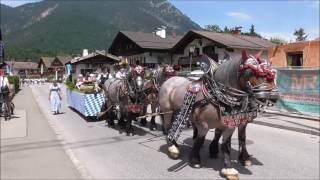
(53, 67)
(92, 62)
(304, 54)
(196, 43)
(146, 48)
(25, 69)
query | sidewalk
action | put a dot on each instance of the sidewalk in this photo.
(297, 124)
(29, 147)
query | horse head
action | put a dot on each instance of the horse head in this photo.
(257, 76)
(138, 74)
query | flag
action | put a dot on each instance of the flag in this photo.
(1, 46)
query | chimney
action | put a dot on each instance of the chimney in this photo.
(237, 30)
(174, 35)
(161, 32)
(85, 52)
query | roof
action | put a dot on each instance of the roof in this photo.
(47, 61)
(64, 59)
(95, 54)
(230, 40)
(22, 65)
(150, 40)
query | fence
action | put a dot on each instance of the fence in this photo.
(299, 90)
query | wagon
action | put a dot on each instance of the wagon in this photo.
(89, 105)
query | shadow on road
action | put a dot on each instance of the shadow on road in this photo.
(207, 162)
(57, 143)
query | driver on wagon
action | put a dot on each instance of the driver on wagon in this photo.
(121, 74)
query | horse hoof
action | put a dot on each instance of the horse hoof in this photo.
(153, 128)
(173, 152)
(195, 166)
(195, 163)
(230, 173)
(247, 163)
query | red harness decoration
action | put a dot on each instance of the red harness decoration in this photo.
(134, 108)
(261, 69)
(138, 71)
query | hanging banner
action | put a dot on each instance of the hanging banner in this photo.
(1, 46)
(69, 69)
(299, 90)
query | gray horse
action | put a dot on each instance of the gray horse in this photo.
(171, 98)
(120, 103)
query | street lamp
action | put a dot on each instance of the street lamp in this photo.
(191, 51)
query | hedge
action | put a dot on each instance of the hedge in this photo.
(15, 80)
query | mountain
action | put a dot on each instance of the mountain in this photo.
(69, 26)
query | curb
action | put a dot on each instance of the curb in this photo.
(305, 131)
(294, 115)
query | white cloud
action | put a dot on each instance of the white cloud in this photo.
(239, 15)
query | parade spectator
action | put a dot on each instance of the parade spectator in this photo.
(55, 97)
(103, 76)
(5, 91)
(80, 81)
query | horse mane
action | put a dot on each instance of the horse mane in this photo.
(227, 73)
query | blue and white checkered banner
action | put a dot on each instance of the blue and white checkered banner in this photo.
(86, 104)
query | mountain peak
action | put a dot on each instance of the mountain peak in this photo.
(73, 25)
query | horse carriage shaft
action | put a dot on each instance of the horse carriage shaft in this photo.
(153, 114)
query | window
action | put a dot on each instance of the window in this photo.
(295, 59)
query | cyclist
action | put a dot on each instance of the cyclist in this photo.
(5, 91)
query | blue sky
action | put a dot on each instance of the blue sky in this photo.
(271, 18)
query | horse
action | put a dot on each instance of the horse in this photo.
(151, 90)
(121, 103)
(237, 77)
(244, 156)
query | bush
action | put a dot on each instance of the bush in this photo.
(15, 80)
(71, 86)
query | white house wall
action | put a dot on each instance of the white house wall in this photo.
(220, 51)
(152, 59)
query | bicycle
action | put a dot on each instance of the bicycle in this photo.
(5, 109)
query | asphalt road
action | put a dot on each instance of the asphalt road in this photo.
(102, 153)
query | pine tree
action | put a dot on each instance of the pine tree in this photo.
(301, 35)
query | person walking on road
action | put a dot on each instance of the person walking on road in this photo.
(55, 97)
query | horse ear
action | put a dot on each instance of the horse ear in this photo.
(258, 55)
(244, 55)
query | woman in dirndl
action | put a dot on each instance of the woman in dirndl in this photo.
(55, 97)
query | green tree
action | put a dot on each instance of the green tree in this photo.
(277, 40)
(226, 29)
(252, 30)
(301, 35)
(213, 28)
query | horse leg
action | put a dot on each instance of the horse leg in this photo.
(228, 171)
(194, 158)
(195, 133)
(153, 125)
(129, 128)
(143, 121)
(110, 118)
(244, 156)
(214, 145)
(166, 122)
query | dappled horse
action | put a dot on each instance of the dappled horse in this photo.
(211, 104)
(121, 103)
